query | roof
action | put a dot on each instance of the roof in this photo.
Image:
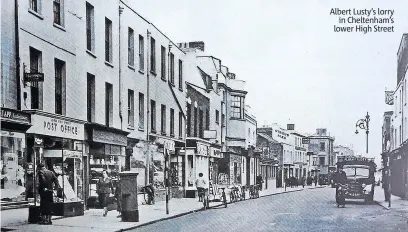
(267, 137)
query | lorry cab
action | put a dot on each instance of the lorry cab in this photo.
(360, 172)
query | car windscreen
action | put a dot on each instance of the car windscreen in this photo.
(358, 172)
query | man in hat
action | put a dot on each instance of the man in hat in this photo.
(340, 177)
(46, 179)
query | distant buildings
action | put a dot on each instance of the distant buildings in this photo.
(321, 152)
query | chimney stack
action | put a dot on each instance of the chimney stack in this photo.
(195, 44)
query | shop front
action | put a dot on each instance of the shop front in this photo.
(57, 142)
(230, 167)
(197, 153)
(398, 163)
(105, 150)
(14, 125)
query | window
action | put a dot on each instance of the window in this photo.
(171, 122)
(59, 87)
(141, 53)
(163, 119)
(90, 32)
(201, 124)
(207, 119)
(180, 125)
(108, 40)
(223, 120)
(188, 120)
(131, 108)
(163, 63)
(195, 121)
(108, 104)
(172, 68)
(217, 116)
(152, 55)
(180, 74)
(322, 146)
(35, 5)
(90, 97)
(400, 135)
(237, 107)
(58, 12)
(153, 115)
(321, 160)
(131, 47)
(35, 67)
(141, 111)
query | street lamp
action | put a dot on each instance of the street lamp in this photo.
(363, 124)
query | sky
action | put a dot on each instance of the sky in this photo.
(297, 69)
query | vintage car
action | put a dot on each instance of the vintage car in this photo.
(360, 177)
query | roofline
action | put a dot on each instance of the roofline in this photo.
(130, 8)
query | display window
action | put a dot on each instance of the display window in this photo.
(13, 181)
(104, 157)
(64, 158)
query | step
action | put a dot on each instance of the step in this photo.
(8, 207)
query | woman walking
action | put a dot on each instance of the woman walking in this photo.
(104, 189)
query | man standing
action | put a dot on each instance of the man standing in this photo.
(386, 183)
(46, 180)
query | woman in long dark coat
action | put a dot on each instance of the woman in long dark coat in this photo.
(104, 189)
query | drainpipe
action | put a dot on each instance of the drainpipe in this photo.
(147, 178)
(120, 71)
(17, 50)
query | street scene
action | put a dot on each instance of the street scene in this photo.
(133, 115)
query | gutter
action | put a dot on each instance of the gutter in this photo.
(17, 50)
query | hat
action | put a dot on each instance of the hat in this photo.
(40, 165)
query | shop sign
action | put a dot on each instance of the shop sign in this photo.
(15, 115)
(45, 125)
(168, 144)
(33, 77)
(72, 154)
(216, 153)
(202, 149)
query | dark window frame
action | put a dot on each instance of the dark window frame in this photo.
(163, 115)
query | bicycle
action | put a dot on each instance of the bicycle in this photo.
(206, 201)
(148, 195)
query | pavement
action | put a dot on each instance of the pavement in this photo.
(313, 210)
(397, 203)
(93, 219)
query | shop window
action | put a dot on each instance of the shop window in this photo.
(163, 119)
(90, 97)
(59, 87)
(171, 122)
(13, 177)
(108, 104)
(153, 116)
(174, 171)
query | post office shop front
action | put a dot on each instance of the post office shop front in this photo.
(57, 142)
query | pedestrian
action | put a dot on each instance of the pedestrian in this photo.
(340, 178)
(386, 183)
(315, 181)
(104, 189)
(201, 185)
(302, 179)
(259, 182)
(118, 199)
(46, 180)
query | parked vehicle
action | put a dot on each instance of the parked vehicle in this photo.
(360, 177)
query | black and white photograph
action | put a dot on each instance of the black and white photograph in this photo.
(196, 116)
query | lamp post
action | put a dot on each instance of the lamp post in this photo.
(364, 125)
